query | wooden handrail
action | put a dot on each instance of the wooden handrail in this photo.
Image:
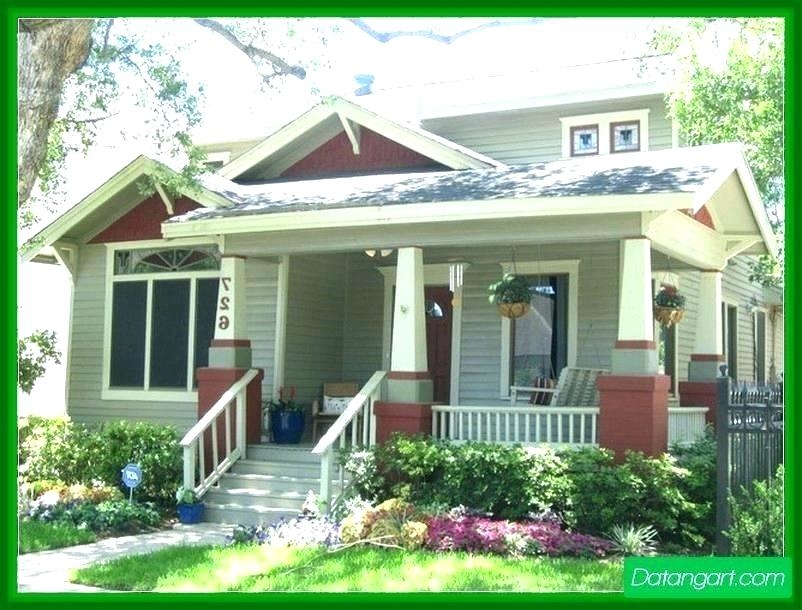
(354, 407)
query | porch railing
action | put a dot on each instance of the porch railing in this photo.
(219, 415)
(357, 423)
(544, 425)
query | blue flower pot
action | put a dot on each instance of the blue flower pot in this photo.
(287, 427)
(190, 513)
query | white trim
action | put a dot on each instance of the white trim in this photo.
(168, 395)
(124, 179)
(150, 395)
(603, 120)
(421, 213)
(280, 342)
(726, 303)
(435, 274)
(549, 267)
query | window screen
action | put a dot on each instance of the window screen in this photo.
(127, 366)
(205, 311)
(169, 334)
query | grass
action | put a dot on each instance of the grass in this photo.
(265, 568)
(36, 536)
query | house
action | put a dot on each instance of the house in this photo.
(347, 243)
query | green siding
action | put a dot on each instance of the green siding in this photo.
(535, 135)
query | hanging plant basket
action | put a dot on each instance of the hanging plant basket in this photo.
(512, 295)
(668, 316)
(669, 305)
(513, 310)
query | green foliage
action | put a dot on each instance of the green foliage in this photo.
(118, 516)
(35, 536)
(509, 482)
(640, 490)
(186, 496)
(510, 289)
(738, 100)
(59, 450)
(284, 402)
(33, 354)
(669, 296)
(756, 518)
(699, 487)
(634, 540)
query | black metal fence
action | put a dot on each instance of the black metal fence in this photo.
(749, 438)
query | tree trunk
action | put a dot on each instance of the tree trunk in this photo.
(48, 51)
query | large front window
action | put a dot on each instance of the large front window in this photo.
(163, 304)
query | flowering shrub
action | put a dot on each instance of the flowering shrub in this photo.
(105, 516)
(460, 532)
(393, 522)
(300, 531)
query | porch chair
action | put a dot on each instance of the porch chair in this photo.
(576, 387)
(336, 397)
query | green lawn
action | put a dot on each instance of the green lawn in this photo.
(265, 568)
(36, 536)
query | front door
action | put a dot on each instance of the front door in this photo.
(438, 339)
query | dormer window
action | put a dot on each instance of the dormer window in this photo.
(603, 133)
(625, 136)
(585, 140)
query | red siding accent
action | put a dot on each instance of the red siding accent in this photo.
(408, 375)
(143, 222)
(408, 418)
(700, 394)
(703, 216)
(635, 344)
(377, 153)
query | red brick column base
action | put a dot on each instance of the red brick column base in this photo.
(633, 413)
(700, 394)
(211, 385)
(406, 417)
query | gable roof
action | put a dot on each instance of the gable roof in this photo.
(276, 153)
(110, 201)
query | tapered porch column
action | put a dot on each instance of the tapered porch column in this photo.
(230, 350)
(633, 408)
(703, 369)
(409, 385)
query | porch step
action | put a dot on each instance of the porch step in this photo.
(270, 485)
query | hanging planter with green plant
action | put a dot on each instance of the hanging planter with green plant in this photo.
(512, 295)
(669, 305)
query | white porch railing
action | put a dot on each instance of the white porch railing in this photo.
(194, 444)
(544, 425)
(359, 415)
(685, 424)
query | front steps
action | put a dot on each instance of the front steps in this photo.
(272, 483)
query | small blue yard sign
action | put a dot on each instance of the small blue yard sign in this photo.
(132, 476)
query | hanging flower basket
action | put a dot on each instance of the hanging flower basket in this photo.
(511, 295)
(513, 310)
(668, 316)
(669, 306)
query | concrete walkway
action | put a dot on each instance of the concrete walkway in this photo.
(48, 571)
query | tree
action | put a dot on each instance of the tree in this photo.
(33, 354)
(736, 95)
(76, 74)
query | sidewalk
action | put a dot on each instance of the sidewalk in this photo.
(48, 571)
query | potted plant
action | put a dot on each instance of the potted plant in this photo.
(189, 505)
(512, 295)
(286, 417)
(669, 305)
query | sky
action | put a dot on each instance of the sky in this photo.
(236, 107)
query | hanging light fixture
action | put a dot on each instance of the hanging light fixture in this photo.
(379, 253)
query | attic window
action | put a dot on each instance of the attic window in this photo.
(605, 132)
(127, 262)
(585, 140)
(625, 136)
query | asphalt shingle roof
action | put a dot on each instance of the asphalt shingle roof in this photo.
(665, 171)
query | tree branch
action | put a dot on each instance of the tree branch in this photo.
(255, 54)
(431, 34)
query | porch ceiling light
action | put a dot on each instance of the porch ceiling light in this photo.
(379, 253)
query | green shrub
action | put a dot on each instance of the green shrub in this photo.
(640, 490)
(756, 518)
(57, 449)
(699, 488)
(508, 482)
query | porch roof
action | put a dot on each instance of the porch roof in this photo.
(682, 170)
(664, 184)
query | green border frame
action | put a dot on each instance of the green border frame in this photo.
(619, 8)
